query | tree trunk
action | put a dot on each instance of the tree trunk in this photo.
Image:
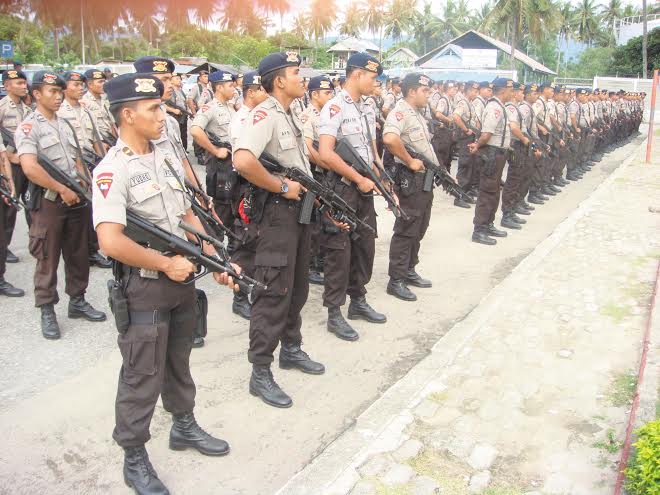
(56, 42)
(645, 42)
(514, 35)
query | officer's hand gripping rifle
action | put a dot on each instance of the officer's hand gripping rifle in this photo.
(183, 111)
(347, 153)
(329, 201)
(439, 175)
(5, 193)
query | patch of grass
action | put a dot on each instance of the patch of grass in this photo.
(622, 389)
(449, 476)
(438, 397)
(598, 417)
(616, 312)
(502, 490)
(640, 291)
(382, 489)
(611, 444)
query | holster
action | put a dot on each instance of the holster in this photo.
(221, 180)
(254, 203)
(117, 298)
(33, 196)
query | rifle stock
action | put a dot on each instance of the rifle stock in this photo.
(439, 175)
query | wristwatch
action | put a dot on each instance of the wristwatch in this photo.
(284, 188)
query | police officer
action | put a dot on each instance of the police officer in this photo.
(179, 100)
(88, 145)
(61, 224)
(349, 261)
(12, 112)
(493, 145)
(212, 124)
(320, 92)
(282, 251)
(405, 126)
(253, 94)
(200, 93)
(391, 96)
(517, 162)
(155, 347)
(529, 128)
(467, 120)
(7, 183)
(442, 134)
(97, 103)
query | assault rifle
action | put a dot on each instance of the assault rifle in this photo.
(439, 175)
(329, 201)
(183, 111)
(347, 153)
(211, 224)
(144, 231)
(219, 143)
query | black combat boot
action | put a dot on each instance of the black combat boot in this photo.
(49, 327)
(139, 474)
(461, 203)
(263, 385)
(480, 236)
(11, 257)
(6, 289)
(186, 433)
(241, 306)
(572, 175)
(315, 278)
(526, 205)
(197, 341)
(359, 309)
(535, 198)
(520, 210)
(396, 288)
(547, 191)
(293, 357)
(492, 231)
(413, 278)
(79, 308)
(97, 259)
(517, 219)
(509, 223)
(339, 326)
(554, 188)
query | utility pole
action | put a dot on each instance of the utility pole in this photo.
(645, 41)
(82, 32)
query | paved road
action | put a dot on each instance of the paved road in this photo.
(57, 407)
(531, 393)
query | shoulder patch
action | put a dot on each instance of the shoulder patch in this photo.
(334, 110)
(104, 182)
(399, 116)
(204, 108)
(127, 151)
(259, 115)
(303, 118)
(26, 128)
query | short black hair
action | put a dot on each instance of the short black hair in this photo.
(250, 86)
(115, 110)
(350, 70)
(268, 80)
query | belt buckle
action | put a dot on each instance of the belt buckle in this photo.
(150, 274)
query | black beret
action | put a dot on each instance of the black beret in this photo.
(417, 79)
(545, 85)
(252, 78)
(395, 80)
(450, 84)
(279, 60)
(517, 85)
(582, 91)
(48, 77)
(319, 82)
(472, 85)
(133, 87)
(203, 73)
(365, 61)
(73, 76)
(154, 65)
(92, 74)
(222, 76)
(530, 88)
(502, 82)
(485, 85)
(13, 74)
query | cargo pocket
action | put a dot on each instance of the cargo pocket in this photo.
(269, 269)
(138, 350)
(37, 243)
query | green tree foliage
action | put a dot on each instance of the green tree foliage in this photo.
(592, 62)
(627, 59)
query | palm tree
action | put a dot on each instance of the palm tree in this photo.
(280, 7)
(234, 14)
(423, 27)
(352, 25)
(587, 21)
(400, 18)
(645, 42)
(374, 14)
(323, 14)
(477, 20)
(301, 25)
(565, 23)
(534, 18)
